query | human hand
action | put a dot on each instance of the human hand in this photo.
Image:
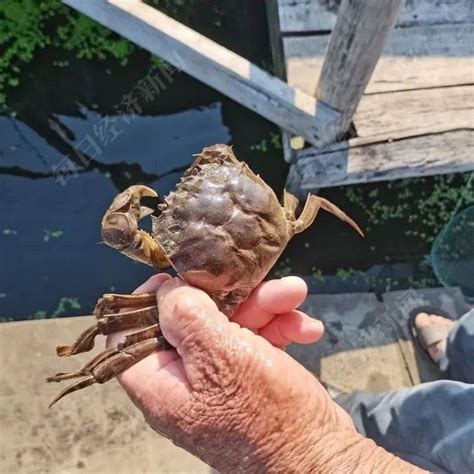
(227, 395)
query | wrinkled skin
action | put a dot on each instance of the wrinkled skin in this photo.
(222, 230)
(229, 397)
(221, 368)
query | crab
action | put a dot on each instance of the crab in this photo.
(221, 230)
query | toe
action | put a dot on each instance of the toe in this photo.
(436, 319)
(422, 320)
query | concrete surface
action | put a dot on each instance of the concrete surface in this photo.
(355, 330)
(96, 430)
(366, 345)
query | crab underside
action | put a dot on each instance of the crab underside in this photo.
(222, 230)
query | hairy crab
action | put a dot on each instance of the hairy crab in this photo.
(222, 230)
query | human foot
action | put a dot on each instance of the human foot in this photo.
(432, 332)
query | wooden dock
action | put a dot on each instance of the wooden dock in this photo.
(413, 116)
(416, 116)
(211, 63)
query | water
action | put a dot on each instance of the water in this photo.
(52, 261)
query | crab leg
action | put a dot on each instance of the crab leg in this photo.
(84, 343)
(333, 209)
(145, 314)
(310, 211)
(112, 363)
(111, 302)
(130, 339)
(290, 203)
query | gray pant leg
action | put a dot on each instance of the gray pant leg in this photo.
(460, 350)
(430, 425)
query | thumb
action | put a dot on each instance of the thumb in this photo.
(190, 321)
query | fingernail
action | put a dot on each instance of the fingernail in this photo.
(293, 279)
(316, 325)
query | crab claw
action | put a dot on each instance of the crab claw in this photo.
(120, 227)
(120, 221)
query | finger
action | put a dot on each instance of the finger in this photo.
(270, 298)
(189, 319)
(294, 326)
(138, 377)
(160, 372)
(150, 382)
(152, 284)
(280, 296)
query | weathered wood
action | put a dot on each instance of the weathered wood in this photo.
(417, 114)
(307, 15)
(350, 163)
(320, 15)
(288, 152)
(278, 57)
(414, 58)
(214, 65)
(276, 41)
(408, 113)
(356, 43)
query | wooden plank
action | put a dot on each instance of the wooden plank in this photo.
(354, 48)
(278, 57)
(276, 41)
(349, 163)
(320, 15)
(288, 152)
(214, 65)
(307, 15)
(414, 58)
(396, 115)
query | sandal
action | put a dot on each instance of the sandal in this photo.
(432, 334)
